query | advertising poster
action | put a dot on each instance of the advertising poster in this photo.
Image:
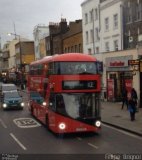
(128, 84)
(110, 89)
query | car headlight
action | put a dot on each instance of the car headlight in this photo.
(98, 123)
(44, 103)
(4, 105)
(22, 104)
(62, 126)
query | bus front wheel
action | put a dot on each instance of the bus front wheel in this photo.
(47, 122)
(32, 110)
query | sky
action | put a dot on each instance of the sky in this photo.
(24, 15)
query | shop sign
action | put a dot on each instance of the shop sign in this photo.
(117, 64)
(133, 62)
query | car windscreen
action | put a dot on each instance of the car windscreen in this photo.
(8, 88)
(11, 94)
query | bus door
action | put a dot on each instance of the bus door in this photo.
(51, 110)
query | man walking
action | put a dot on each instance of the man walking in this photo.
(124, 98)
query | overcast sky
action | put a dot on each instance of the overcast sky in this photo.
(26, 14)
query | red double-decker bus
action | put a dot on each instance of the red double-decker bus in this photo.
(64, 92)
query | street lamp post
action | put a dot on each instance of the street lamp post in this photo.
(20, 51)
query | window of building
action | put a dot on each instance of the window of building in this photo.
(96, 14)
(68, 49)
(106, 46)
(91, 36)
(76, 50)
(115, 19)
(129, 16)
(97, 50)
(79, 48)
(89, 51)
(91, 16)
(96, 34)
(115, 45)
(138, 11)
(65, 50)
(86, 18)
(72, 50)
(106, 24)
(48, 46)
(87, 37)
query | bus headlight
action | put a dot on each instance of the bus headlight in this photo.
(44, 103)
(98, 123)
(62, 126)
(4, 105)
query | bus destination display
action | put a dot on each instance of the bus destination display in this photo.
(79, 85)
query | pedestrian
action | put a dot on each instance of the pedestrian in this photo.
(132, 103)
(132, 108)
(124, 98)
(134, 97)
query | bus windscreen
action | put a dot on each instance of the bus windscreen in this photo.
(75, 68)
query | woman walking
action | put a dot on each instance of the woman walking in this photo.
(132, 103)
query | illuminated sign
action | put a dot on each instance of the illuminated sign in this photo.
(133, 62)
(79, 85)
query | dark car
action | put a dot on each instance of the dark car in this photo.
(12, 100)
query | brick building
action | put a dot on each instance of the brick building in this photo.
(132, 11)
(73, 40)
(24, 52)
(56, 31)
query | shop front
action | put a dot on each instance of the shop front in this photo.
(118, 75)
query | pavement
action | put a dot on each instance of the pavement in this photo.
(112, 114)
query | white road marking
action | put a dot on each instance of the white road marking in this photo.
(3, 124)
(124, 132)
(26, 123)
(79, 138)
(92, 145)
(20, 144)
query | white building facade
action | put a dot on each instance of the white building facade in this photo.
(40, 32)
(12, 54)
(91, 26)
(111, 21)
(108, 47)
